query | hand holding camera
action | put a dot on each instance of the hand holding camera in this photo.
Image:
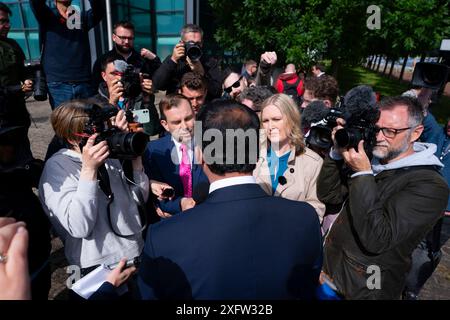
(92, 157)
(115, 92)
(178, 52)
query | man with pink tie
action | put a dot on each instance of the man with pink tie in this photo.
(170, 159)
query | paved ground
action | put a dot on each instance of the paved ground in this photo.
(437, 287)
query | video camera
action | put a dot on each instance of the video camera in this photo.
(193, 50)
(357, 108)
(122, 145)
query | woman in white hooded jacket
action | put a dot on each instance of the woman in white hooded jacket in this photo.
(76, 205)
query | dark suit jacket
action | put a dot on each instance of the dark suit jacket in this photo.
(159, 166)
(238, 244)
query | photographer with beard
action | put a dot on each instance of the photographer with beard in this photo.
(388, 204)
(123, 36)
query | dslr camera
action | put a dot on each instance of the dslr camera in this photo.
(320, 133)
(193, 50)
(130, 79)
(122, 145)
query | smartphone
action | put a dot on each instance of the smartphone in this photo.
(141, 116)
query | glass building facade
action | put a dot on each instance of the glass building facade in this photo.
(157, 22)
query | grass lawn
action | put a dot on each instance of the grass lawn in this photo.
(350, 77)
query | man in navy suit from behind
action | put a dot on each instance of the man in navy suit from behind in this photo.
(163, 157)
(239, 243)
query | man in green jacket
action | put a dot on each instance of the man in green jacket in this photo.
(389, 204)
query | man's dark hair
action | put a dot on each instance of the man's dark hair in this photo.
(193, 81)
(124, 24)
(227, 116)
(5, 8)
(415, 111)
(170, 101)
(323, 88)
(111, 57)
(257, 95)
(320, 67)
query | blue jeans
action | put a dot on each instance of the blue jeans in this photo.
(60, 92)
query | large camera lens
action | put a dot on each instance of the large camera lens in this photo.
(40, 87)
(348, 138)
(193, 51)
(127, 145)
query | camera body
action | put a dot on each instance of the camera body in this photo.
(359, 110)
(193, 50)
(131, 82)
(354, 132)
(122, 145)
(320, 133)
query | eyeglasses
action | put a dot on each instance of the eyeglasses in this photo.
(390, 132)
(124, 38)
(4, 21)
(234, 85)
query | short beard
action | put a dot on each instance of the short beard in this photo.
(392, 154)
(123, 50)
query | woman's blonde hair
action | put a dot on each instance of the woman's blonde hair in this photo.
(69, 119)
(289, 110)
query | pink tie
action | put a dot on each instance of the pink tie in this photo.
(185, 171)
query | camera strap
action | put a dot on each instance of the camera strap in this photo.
(105, 185)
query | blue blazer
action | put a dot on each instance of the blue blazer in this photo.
(238, 244)
(159, 166)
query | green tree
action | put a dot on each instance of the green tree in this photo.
(302, 31)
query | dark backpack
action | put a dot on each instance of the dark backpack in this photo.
(291, 89)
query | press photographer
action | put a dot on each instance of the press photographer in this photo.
(93, 206)
(388, 204)
(358, 108)
(188, 56)
(129, 90)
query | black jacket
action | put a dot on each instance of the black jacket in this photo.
(169, 74)
(383, 219)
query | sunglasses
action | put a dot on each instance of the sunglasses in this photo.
(234, 85)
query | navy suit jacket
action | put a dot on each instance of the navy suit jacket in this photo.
(159, 166)
(238, 244)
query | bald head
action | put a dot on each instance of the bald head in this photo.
(290, 68)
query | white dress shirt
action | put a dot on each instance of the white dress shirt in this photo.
(228, 182)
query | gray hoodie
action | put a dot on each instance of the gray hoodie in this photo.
(423, 156)
(78, 210)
